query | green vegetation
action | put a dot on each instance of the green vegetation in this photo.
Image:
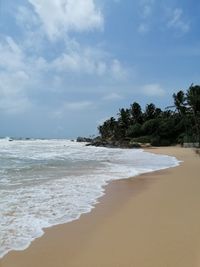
(175, 125)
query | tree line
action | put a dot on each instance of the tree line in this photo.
(177, 124)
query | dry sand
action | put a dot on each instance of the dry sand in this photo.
(152, 220)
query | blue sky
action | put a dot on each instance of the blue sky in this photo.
(67, 65)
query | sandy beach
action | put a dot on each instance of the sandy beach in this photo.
(152, 220)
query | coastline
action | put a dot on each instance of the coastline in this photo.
(147, 220)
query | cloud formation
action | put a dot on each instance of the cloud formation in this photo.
(112, 97)
(79, 59)
(14, 78)
(74, 106)
(153, 90)
(146, 9)
(27, 70)
(177, 21)
(152, 13)
(63, 16)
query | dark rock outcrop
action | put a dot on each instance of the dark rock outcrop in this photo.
(99, 142)
(84, 139)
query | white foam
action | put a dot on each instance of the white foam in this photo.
(49, 182)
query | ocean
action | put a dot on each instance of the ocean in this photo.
(49, 182)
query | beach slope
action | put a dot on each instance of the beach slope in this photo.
(152, 220)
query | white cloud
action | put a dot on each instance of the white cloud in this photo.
(77, 106)
(28, 71)
(146, 8)
(146, 11)
(20, 75)
(112, 97)
(151, 12)
(60, 16)
(101, 68)
(118, 72)
(15, 105)
(13, 77)
(13, 100)
(25, 18)
(153, 90)
(75, 58)
(143, 28)
(89, 60)
(177, 21)
(23, 74)
(75, 61)
(11, 55)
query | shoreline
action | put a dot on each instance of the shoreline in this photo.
(69, 243)
(94, 203)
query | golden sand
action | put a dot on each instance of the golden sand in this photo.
(152, 220)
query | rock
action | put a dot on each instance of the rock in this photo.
(83, 139)
(135, 145)
(99, 142)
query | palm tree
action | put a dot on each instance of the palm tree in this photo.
(123, 122)
(124, 117)
(181, 106)
(179, 102)
(193, 100)
(150, 111)
(136, 113)
(107, 130)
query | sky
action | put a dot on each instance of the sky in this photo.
(68, 65)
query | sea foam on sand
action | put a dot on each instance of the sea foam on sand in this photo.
(49, 182)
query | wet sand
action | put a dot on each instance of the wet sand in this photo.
(152, 220)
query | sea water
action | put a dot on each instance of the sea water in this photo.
(49, 182)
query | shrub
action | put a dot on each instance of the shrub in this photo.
(142, 139)
(134, 130)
